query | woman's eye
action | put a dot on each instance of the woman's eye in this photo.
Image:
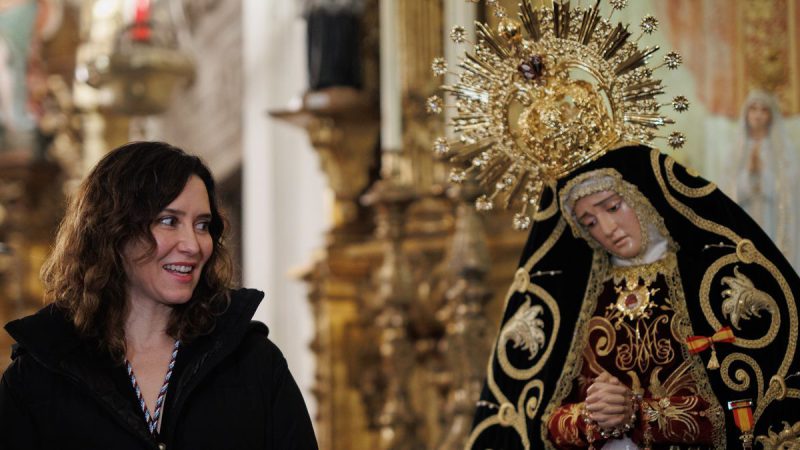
(614, 207)
(203, 226)
(169, 221)
(589, 224)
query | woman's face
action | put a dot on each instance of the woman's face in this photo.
(758, 117)
(183, 246)
(611, 222)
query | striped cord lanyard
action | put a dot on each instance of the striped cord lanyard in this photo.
(152, 419)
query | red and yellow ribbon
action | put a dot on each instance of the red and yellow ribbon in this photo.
(697, 344)
(742, 414)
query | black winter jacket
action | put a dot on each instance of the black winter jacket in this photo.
(230, 389)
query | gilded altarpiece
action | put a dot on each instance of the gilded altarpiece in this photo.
(411, 275)
(36, 161)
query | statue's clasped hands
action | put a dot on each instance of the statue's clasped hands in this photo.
(611, 405)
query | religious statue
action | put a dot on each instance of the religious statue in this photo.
(17, 40)
(648, 310)
(763, 173)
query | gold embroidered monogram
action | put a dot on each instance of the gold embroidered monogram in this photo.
(643, 344)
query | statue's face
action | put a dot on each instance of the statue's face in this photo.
(759, 117)
(611, 222)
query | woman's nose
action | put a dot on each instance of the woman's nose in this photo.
(188, 241)
(607, 224)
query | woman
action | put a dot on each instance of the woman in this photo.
(764, 169)
(665, 319)
(143, 344)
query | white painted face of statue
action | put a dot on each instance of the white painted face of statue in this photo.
(611, 222)
(759, 118)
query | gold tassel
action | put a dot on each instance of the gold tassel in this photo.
(713, 362)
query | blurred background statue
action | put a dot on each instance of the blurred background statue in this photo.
(763, 170)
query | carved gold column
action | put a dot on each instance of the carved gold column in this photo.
(30, 205)
(342, 126)
(466, 342)
(390, 308)
(420, 29)
(343, 129)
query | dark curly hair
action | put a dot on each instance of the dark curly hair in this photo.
(116, 204)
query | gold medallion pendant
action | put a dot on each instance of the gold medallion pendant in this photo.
(632, 285)
(633, 300)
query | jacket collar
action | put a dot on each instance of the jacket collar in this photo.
(49, 337)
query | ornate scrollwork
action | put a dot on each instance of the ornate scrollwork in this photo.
(525, 329)
(786, 439)
(529, 334)
(668, 413)
(713, 320)
(746, 251)
(522, 280)
(742, 378)
(676, 184)
(533, 403)
(742, 299)
(742, 381)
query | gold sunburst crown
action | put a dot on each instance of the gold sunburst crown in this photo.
(546, 94)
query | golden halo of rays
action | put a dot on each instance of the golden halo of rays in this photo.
(546, 92)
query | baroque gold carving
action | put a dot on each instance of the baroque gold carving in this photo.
(466, 325)
(397, 419)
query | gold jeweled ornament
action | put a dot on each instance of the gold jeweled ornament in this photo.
(546, 94)
(633, 300)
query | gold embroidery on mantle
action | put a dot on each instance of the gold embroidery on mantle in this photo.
(705, 302)
(684, 210)
(525, 329)
(531, 406)
(742, 299)
(644, 348)
(574, 361)
(668, 412)
(532, 335)
(746, 253)
(786, 439)
(682, 188)
(741, 378)
(568, 423)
